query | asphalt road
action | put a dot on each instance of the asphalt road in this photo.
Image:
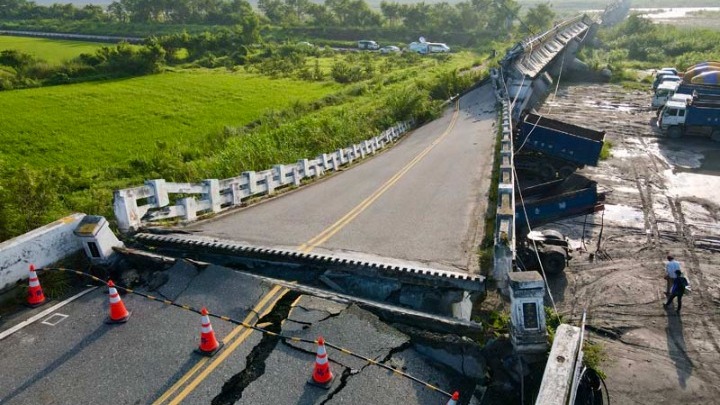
(151, 359)
(422, 200)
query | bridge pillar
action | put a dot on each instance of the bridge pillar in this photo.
(189, 205)
(126, 210)
(160, 195)
(213, 193)
(527, 331)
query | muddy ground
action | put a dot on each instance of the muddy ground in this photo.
(663, 198)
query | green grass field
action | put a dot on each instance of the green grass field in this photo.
(51, 50)
(93, 125)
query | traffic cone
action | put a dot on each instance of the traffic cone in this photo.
(35, 296)
(118, 313)
(322, 376)
(453, 400)
(208, 344)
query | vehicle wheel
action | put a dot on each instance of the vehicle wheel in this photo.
(675, 132)
(547, 172)
(553, 260)
(715, 135)
(553, 234)
(566, 171)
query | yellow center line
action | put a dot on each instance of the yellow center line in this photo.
(226, 352)
(323, 236)
(248, 319)
(278, 292)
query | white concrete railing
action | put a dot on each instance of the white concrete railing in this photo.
(151, 202)
(504, 250)
(41, 247)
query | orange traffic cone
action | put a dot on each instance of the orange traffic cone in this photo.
(322, 376)
(118, 313)
(35, 296)
(453, 400)
(208, 344)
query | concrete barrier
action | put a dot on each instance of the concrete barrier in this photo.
(560, 370)
(41, 247)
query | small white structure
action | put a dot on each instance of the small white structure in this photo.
(527, 331)
(97, 239)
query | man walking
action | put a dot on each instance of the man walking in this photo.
(670, 270)
(678, 289)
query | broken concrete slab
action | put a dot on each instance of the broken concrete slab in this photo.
(357, 330)
(375, 385)
(182, 273)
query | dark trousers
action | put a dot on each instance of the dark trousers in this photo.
(679, 297)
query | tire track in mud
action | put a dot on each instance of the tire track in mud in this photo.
(634, 131)
(708, 318)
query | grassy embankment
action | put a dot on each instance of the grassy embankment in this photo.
(51, 50)
(639, 45)
(70, 146)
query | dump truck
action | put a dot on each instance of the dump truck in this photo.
(546, 203)
(695, 114)
(666, 90)
(550, 148)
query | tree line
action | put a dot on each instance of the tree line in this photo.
(471, 16)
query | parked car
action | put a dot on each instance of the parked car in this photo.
(365, 44)
(305, 43)
(428, 47)
(389, 49)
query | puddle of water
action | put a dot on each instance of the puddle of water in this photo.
(626, 190)
(683, 158)
(621, 153)
(669, 13)
(624, 215)
(711, 161)
(693, 185)
(606, 105)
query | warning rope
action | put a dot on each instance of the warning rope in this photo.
(259, 329)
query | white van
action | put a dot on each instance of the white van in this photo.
(428, 47)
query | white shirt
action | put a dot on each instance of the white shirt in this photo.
(670, 268)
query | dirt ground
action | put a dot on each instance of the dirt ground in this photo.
(663, 199)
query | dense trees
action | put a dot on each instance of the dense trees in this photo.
(472, 17)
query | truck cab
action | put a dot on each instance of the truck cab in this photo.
(660, 77)
(672, 116)
(664, 92)
(691, 114)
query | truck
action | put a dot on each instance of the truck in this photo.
(666, 90)
(548, 148)
(695, 114)
(546, 203)
(663, 93)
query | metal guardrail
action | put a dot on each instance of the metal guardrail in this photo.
(151, 202)
(76, 37)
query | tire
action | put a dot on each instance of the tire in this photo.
(553, 234)
(554, 259)
(715, 135)
(546, 171)
(566, 171)
(675, 132)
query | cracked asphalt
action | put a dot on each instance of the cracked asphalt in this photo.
(82, 360)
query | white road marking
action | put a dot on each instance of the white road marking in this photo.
(43, 314)
(56, 319)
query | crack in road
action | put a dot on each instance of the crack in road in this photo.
(233, 388)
